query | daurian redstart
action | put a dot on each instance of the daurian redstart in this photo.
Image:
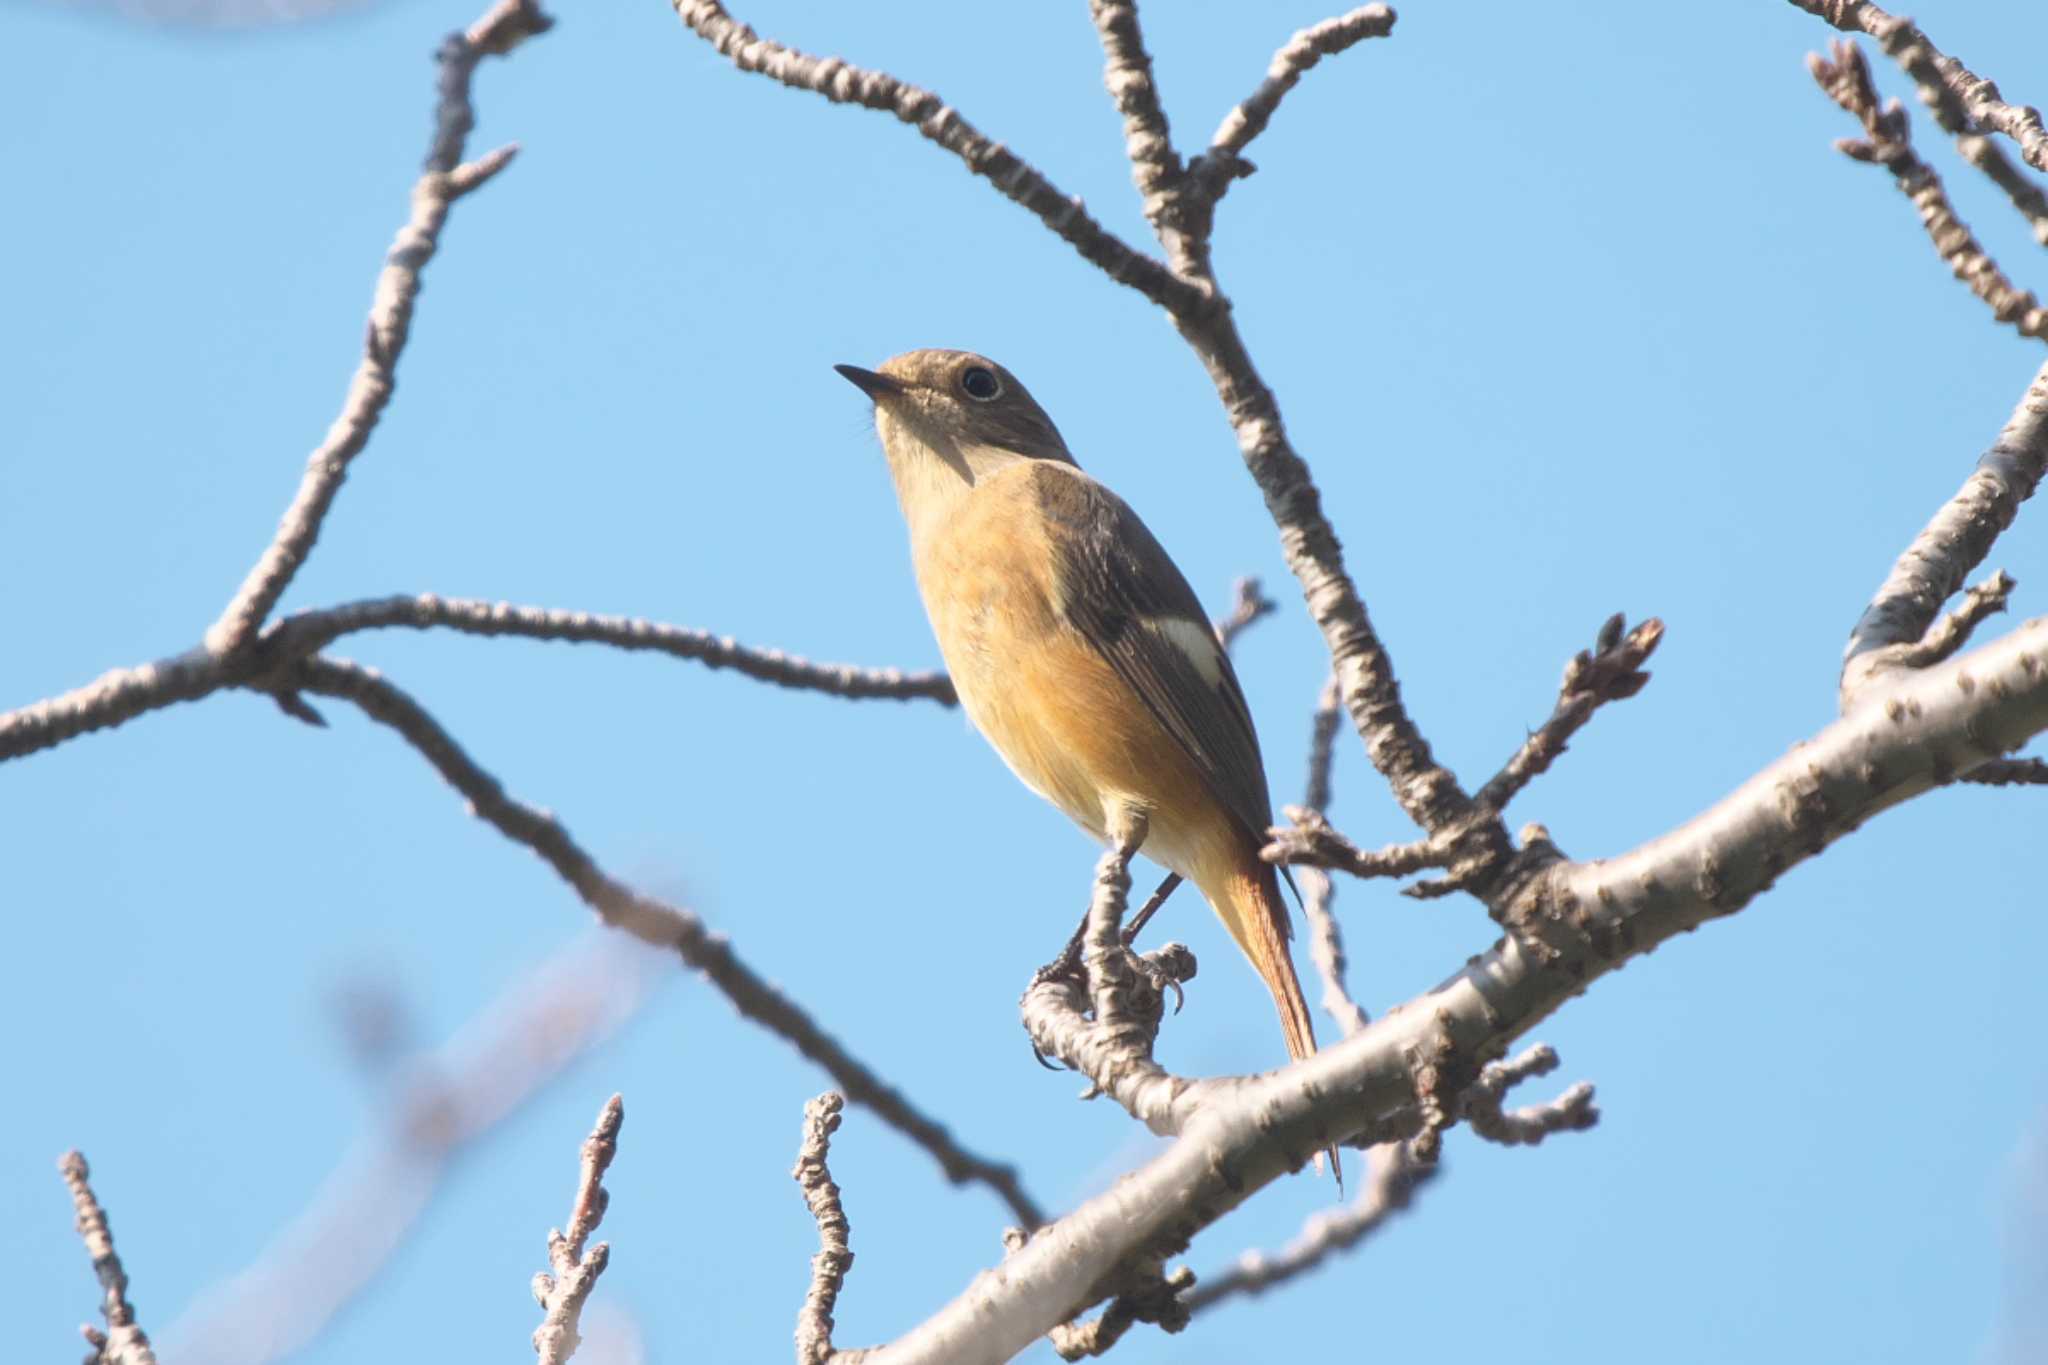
(1077, 647)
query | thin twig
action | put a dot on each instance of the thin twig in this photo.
(564, 1287)
(834, 1258)
(1952, 544)
(1905, 44)
(1952, 631)
(2009, 772)
(1933, 71)
(1391, 1178)
(1013, 177)
(1249, 605)
(1313, 843)
(1326, 939)
(1887, 142)
(308, 632)
(1572, 1112)
(1148, 1293)
(123, 1342)
(1611, 671)
(654, 921)
(1224, 161)
(443, 182)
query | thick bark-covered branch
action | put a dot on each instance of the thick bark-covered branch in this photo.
(1934, 567)
(1568, 923)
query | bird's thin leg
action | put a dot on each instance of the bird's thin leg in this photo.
(1145, 912)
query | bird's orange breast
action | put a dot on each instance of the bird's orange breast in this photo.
(1065, 722)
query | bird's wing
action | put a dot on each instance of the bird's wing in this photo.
(1128, 600)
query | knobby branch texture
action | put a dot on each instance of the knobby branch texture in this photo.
(1959, 96)
(1567, 924)
(564, 1287)
(1888, 142)
(123, 1342)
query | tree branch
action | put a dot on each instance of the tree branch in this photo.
(1224, 161)
(1391, 1179)
(1611, 671)
(1567, 924)
(1013, 177)
(1951, 545)
(834, 1259)
(565, 1286)
(1888, 143)
(398, 286)
(309, 632)
(1941, 78)
(124, 1342)
(653, 921)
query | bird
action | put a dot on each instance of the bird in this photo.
(1076, 646)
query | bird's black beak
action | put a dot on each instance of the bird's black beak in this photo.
(875, 386)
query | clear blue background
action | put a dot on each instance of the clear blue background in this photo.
(1571, 309)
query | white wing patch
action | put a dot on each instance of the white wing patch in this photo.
(1198, 643)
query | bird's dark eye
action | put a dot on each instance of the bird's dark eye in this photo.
(980, 383)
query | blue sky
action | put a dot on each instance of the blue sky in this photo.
(1570, 313)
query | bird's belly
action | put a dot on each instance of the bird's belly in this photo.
(1075, 733)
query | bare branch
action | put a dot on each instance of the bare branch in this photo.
(1906, 45)
(1611, 671)
(1127, 74)
(1939, 77)
(834, 1259)
(1952, 631)
(1573, 1111)
(1888, 143)
(1249, 605)
(1326, 939)
(653, 921)
(308, 632)
(124, 1342)
(1015, 178)
(1148, 1293)
(1313, 843)
(565, 1286)
(2009, 772)
(1224, 161)
(1391, 1179)
(443, 182)
(1951, 545)
(113, 698)
(1103, 1026)
(1567, 924)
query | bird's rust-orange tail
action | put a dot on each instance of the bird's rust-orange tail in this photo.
(1248, 901)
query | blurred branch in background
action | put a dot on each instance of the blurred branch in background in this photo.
(440, 1106)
